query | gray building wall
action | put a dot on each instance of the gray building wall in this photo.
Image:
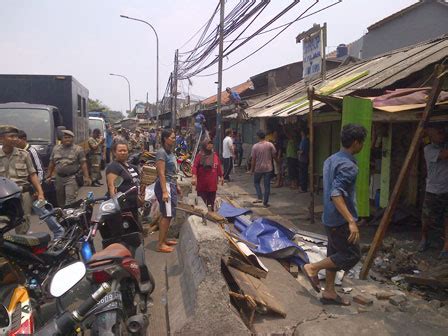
(425, 22)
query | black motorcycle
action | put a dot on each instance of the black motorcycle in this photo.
(122, 264)
(40, 258)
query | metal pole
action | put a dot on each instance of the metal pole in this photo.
(173, 114)
(218, 98)
(129, 88)
(157, 56)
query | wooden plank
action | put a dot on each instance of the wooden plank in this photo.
(246, 268)
(255, 288)
(426, 281)
(399, 185)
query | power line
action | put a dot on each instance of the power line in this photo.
(269, 41)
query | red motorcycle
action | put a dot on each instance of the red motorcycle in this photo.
(121, 264)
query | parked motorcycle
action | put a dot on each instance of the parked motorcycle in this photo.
(122, 264)
(16, 313)
(69, 323)
(40, 258)
(184, 162)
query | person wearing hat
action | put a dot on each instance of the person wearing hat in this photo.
(66, 160)
(16, 165)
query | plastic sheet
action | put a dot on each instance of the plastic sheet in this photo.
(229, 211)
(273, 239)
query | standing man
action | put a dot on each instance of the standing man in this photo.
(303, 155)
(263, 153)
(109, 141)
(340, 215)
(23, 144)
(16, 165)
(435, 204)
(67, 159)
(95, 143)
(199, 122)
(227, 154)
(291, 159)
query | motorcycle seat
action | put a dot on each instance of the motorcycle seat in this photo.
(31, 239)
(113, 251)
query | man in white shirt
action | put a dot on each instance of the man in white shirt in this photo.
(227, 154)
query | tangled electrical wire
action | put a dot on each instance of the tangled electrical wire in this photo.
(193, 62)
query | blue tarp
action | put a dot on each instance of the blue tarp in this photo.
(273, 239)
(229, 211)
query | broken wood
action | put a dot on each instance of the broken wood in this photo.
(426, 281)
(246, 268)
(256, 289)
(385, 221)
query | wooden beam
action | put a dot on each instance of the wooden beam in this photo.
(246, 268)
(385, 168)
(311, 151)
(385, 221)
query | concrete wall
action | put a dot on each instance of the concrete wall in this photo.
(420, 24)
(198, 295)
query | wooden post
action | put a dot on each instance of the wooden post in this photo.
(385, 221)
(311, 151)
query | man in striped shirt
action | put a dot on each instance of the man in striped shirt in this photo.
(23, 144)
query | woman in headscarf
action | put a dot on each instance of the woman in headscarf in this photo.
(207, 172)
(166, 188)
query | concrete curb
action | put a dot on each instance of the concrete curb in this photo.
(198, 299)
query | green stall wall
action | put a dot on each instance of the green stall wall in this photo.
(360, 111)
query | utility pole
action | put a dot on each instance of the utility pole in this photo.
(323, 50)
(175, 75)
(218, 99)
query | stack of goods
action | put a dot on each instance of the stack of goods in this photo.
(149, 175)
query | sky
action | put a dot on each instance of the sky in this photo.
(89, 40)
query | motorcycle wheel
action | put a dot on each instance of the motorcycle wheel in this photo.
(185, 167)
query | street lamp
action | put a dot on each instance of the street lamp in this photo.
(129, 87)
(157, 56)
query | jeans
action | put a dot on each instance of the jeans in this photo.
(267, 186)
(228, 166)
(108, 155)
(303, 175)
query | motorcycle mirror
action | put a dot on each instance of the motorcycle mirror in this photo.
(118, 181)
(66, 278)
(4, 317)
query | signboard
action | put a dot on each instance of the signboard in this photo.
(312, 56)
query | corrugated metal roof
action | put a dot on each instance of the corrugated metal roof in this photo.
(379, 73)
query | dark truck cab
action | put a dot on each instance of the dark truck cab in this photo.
(43, 105)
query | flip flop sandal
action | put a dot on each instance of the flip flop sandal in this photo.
(165, 249)
(338, 301)
(313, 280)
(171, 242)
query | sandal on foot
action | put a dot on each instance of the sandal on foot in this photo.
(171, 242)
(165, 249)
(313, 280)
(338, 301)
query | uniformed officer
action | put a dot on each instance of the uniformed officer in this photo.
(16, 164)
(95, 142)
(66, 160)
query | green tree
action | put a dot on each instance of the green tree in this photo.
(97, 105)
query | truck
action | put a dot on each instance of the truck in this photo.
(43, 106)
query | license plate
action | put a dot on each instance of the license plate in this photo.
(110, 301)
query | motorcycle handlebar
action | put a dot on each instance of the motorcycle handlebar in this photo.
(67, 322)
